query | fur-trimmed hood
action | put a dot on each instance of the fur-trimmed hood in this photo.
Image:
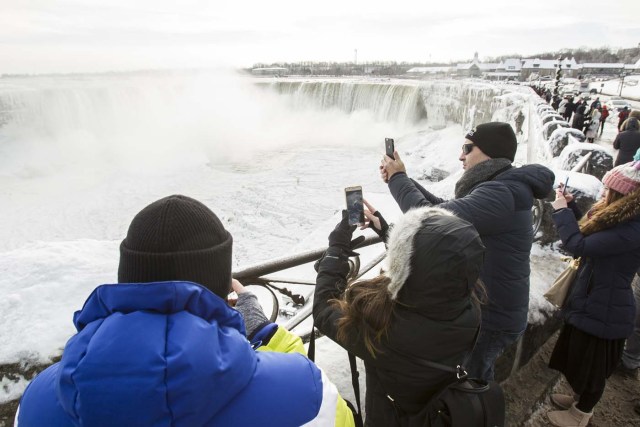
(603, 217)
(434, 260)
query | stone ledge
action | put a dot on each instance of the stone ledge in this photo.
(527, 388)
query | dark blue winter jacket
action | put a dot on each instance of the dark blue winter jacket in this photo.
(173, 354)
(601, 301)
(500, 210)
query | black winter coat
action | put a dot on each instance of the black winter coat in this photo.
(412, 332)
(501, 212)
(601, 301)
(628, 142)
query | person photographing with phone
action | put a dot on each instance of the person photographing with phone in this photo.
(426, 296)
(599, 311)
(496, 198)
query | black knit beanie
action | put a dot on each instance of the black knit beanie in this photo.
(496, 139)
(177, 238)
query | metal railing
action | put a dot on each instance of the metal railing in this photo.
(583, 164)
(259, 275)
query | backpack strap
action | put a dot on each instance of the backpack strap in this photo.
(355, 375)
(311, 352)
(357, 411)
(459, 370)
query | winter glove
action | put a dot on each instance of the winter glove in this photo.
(383, 232)
(251, 311)
(340, 237)
(340, 243)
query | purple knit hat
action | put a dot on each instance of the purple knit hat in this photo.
(624, 178)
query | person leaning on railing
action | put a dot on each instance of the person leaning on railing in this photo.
(163, 346)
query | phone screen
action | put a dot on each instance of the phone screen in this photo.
(389, 147)
(355, 207)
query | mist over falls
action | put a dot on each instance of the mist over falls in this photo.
(136, 122)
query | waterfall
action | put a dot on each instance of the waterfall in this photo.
(400, 103)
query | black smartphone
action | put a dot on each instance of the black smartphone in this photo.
(355, 207)
(389, 147)
(564, 188)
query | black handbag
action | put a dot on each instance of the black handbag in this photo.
(462, 402)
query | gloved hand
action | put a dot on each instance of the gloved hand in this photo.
(376, 222)
(340, 237)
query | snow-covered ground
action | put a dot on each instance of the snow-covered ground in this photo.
(79, 157)
(630, 87)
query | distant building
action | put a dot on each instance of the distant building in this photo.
(475, 68)
(508, 69)
(527, 69)
(601, 69)
(546, 68)
(432, 71)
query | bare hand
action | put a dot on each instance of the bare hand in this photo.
(238, 287)
(369, 217)
(567, 195)
(383, 173)
(560, 202)
(391, 166)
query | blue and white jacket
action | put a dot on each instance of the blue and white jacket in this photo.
(175, 354)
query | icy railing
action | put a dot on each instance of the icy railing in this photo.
(297, 308)
(581, 165)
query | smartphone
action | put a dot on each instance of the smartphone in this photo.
(564, 188)
(389, 147)
(355, 207)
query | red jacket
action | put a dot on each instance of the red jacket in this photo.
(604, 114)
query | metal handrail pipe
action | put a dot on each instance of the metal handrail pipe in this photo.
(306, 311)
(583, 161)
(284, 263)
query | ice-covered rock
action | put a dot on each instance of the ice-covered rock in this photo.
(598, 164)
(551, 126)
(551, 116)
(563, 136)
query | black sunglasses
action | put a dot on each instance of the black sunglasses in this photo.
(466, 148)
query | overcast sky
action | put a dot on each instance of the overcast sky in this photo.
(38, 36)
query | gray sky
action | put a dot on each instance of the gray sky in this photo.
(38, 36)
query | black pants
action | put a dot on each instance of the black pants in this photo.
(586, 362)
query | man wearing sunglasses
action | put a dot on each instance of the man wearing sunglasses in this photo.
(496, 198)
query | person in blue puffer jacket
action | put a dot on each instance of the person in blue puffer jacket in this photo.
(600, 309)
(164, 348)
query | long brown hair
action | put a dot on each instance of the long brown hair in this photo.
(367, 305)
(588, 222)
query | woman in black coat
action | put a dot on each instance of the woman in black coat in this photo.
(627, 141)
(600, 309)
(423, 307)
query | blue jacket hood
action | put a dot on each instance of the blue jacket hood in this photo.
(137, 348)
